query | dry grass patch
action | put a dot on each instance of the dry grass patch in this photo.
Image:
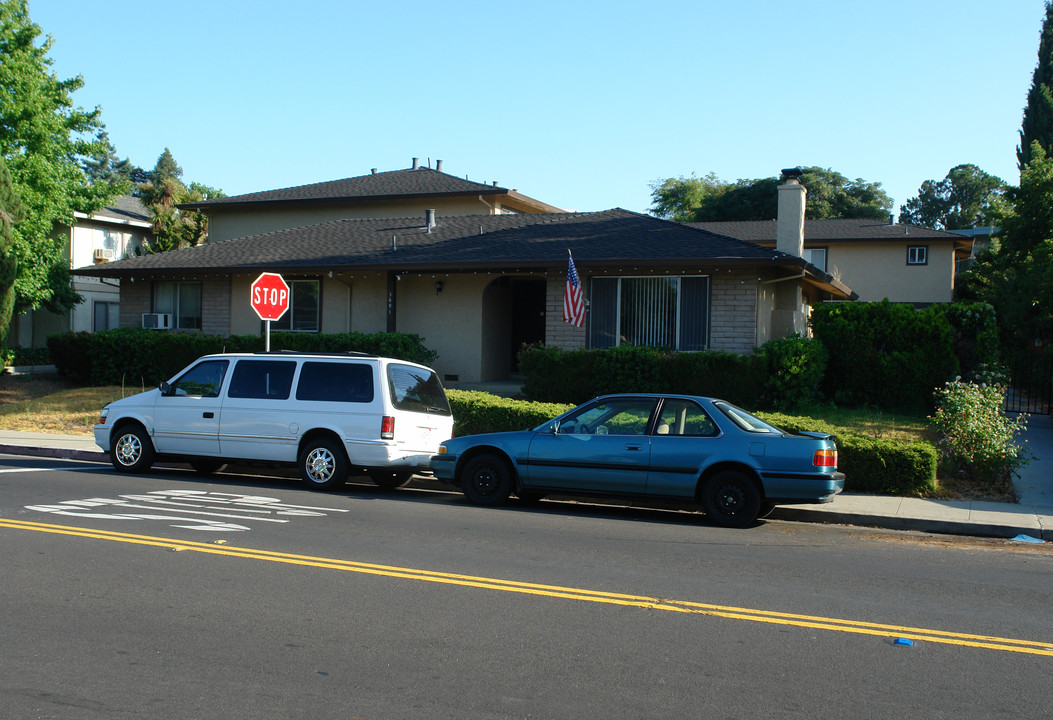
(49, 404)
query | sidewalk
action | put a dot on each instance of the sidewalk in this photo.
(1032, 516)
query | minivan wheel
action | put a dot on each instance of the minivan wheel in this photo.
(390, 480)
(132, 450)
(486, 480)
(323, 465)
(731, 499)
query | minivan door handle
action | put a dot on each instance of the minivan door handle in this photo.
(208, 415)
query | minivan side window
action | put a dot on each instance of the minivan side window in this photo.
(336, 382)
(417, 389)
(203, 380)
(262, 379)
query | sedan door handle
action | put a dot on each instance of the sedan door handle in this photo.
(634, 447)
(208, 415)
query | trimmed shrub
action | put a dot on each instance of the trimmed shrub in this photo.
(793, 370)
(132, 356)
(551, 374)
(739, 379)
(872, 465)
(883, 354)
(477, 412)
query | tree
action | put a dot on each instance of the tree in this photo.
(709, 199)
(161, 194)
(106, 166)
(10, 214)
(1015, 275)
(967, 198)
(677, 198)
(1037, 125)
(45, 140)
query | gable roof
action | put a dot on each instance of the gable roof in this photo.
(497, 243)
(832, 230)
(125, 210)
(420, 182)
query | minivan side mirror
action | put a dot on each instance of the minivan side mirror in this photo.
(165, 388)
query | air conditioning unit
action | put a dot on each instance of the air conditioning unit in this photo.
(102, 255)
(157, 321)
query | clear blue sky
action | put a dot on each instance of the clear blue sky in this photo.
(581, 105)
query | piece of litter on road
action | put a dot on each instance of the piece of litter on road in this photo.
(1026, 539)
(903, 641)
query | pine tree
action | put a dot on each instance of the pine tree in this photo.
(1037, 124)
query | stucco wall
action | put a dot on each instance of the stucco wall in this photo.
(880, 270)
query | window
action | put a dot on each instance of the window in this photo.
(109, 241)
(683, 417)
(620, 416)
(182, 300)
(202, 380)
(304, 307)
(105, 315)
(744, 420)
(416, 389)
(817, 257)
(918, 255)
(336, 382)
(262, 379)
(670, 312)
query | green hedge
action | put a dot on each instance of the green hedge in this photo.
(873, 465)
(130, 356)
(477, 412)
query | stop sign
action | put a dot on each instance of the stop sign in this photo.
(269, 296)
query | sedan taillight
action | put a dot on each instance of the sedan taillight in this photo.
(387, 428)
(825, 458)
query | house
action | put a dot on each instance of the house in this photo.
(396, 193)
(904, 263)
(477, 287)
(106, 235)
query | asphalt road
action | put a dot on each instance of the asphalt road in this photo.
(170, 596)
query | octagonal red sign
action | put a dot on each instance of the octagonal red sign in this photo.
(269, 296)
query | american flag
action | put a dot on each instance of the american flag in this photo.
(573, 299)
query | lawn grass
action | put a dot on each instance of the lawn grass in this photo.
(50, 404)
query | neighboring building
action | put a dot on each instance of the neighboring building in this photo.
(878, 260)
(477, 287)
(112, 233)
(397, 193)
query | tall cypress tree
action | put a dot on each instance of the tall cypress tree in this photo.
(1038, 114)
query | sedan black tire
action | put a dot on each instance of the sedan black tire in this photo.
(323, 465)
(766, 509)
(486, 480)
(132, 450)
(207, 467)
(389, 479)
(731, 499)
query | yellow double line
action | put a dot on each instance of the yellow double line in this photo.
(567, 593)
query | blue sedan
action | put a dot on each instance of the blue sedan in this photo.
(671, 447)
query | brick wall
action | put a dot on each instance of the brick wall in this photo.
(559, 333)
(135, 300)
(215, 306)
(733, 311)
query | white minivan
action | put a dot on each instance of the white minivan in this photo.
(330, 414)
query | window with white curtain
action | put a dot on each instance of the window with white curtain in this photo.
(182, 300)
(670, 312)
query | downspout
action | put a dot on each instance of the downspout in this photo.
(488, 205)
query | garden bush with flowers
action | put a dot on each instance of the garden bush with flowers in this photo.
(977, 438)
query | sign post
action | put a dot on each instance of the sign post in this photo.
(269, 296)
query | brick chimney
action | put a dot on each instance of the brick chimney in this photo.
(789, 227)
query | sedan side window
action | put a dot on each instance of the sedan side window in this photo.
(683, 417)
(620, 416)
(203, 380)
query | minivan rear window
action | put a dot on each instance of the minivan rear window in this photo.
(417, 389)
(335, 382)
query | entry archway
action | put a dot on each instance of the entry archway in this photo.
(513, 315)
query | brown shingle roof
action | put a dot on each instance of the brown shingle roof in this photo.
(834, 230)
(391, 185)
(459, 242)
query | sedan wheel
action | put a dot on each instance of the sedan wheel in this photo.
(731, 499)
(323, 465)
(486, 480)
(132, 450)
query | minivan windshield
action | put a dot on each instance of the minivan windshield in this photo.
(417, 389)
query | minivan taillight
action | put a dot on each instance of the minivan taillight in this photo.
(387, 428)
(825, 458)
